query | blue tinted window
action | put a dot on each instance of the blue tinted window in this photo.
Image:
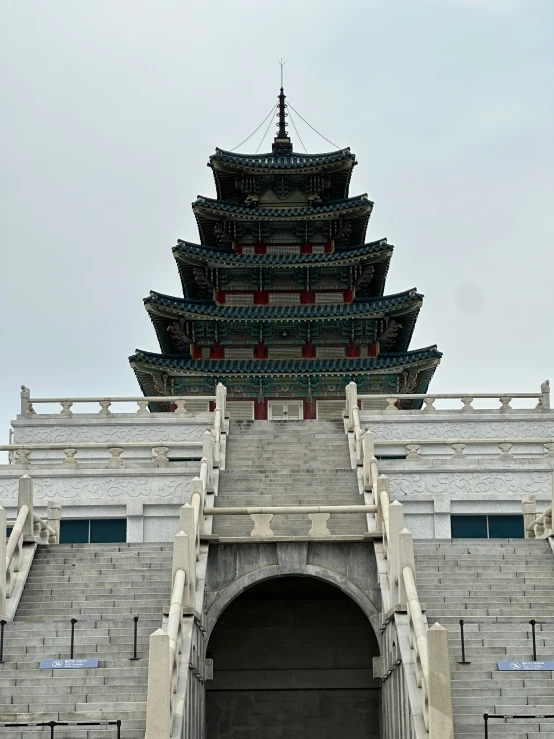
(108, 530)
(506, 527)
(74, 532)
(469, 527)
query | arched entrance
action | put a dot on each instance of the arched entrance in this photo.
(293, 659)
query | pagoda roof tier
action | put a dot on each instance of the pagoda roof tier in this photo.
(284, 160)
(366, 317)
(337, 166)
(191, 256)
(356, 211)
(208, 310)
(286, 366)
(155, 371)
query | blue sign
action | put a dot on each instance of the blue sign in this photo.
(68, 664)
(517, 666)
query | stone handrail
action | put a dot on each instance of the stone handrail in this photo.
(180, 401)
(263, 515)
(399, 589)
(116, 450)
(28, 527)
(466, 399)
(168, 668)
(413, 446)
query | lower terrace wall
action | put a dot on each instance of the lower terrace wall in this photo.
(437, 481)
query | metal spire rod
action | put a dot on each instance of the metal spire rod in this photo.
(282, 63)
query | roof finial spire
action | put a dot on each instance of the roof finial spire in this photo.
(282, 141)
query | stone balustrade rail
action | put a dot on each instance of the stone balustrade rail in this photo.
(28, 528)
(425, 649)
(29, 402)
(393, 401)
(262, 516)
(465, 448)
(170, 693)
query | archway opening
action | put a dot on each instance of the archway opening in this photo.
(292, 659)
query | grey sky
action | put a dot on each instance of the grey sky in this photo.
(111, 108)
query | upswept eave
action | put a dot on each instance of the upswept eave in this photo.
(360, 202)
(384, 362)
(290, 160)
(217, 256)
(208, 310)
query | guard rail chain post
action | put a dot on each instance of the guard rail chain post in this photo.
(28, 527)
(425, 651)
(537, 527)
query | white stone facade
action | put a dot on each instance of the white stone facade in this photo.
(145, 480)
(460, 462)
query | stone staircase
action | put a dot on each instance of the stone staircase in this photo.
(103, 586)
(497, 586)
(282, 463)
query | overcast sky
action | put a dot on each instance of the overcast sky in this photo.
(110, 109)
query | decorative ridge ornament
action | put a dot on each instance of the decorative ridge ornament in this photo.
(282, 142)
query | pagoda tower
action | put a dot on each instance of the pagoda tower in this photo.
(283, 297)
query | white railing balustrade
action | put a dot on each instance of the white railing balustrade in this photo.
(262, 515)
(421, 449)
(28, 527)
(429, 647)
(159, 458)
(392, 402)
(180, 402)
(168, 670)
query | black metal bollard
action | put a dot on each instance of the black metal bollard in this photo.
(486, 717)
(463, 661)
(2, 625)
(533, 634)
(135, 640)
(73, 622)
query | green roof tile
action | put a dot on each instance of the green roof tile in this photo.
(261, 212)
(290, 160)
(208, 309)
(227, 255)
(284, 366)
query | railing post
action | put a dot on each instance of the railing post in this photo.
(181, 561)
(441, 720)
(221, 401)
(54, 514)
(382, 485)
(197, 500)
(351, 401)
(545, 399)
(2, 562)
(188, 526)
(158, 702)
(396, 524)
(405, 559)
(208, 454)
(25, 497)
(368, 452)
(217, 437)
(529, 509)
(26, 406)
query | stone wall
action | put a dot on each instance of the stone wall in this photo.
(149, 497)
(435, 485)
